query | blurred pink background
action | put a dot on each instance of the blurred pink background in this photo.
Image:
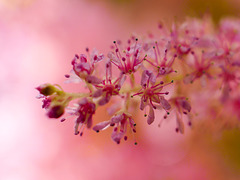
(38, 40)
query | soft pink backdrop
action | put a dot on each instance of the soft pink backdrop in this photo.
(38, 40)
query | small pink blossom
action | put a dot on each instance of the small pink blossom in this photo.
(121, 122)
(162, 62)
(127, 60)
(84, 67)
(200, 68)
(151, 95)
(84, 112)
(182, 40)
(108, 88)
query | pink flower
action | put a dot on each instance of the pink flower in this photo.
(190, 35)
(151, 95)
(182, 40)
(162, 63)
(108, 88)
(84, 112)
(200, 68)
(84, 68)
(127, 60)
(194, 47)
(121, 122)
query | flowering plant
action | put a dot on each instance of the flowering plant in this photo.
(168, 72)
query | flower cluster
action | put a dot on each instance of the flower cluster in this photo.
(163, 72)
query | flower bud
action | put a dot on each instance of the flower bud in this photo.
(46, 89)
(55, 111)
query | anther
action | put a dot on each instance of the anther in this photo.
(177, 130)
(87, 49)
(114, 42)
(67, 76)
(63, 119)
